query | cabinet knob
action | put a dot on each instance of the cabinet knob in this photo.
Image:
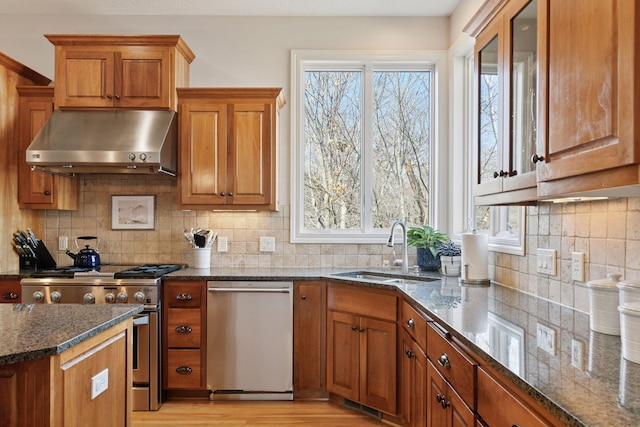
(184, 370)
(230, 194)
(361, 330)
(500, 173)
(354, 328)
(117, 96)
(439, 397)
(222, 194)
(47, 192)
(184, 297)
(303, 297)
(444, 361)
(409, 353)
(183, 329)
(513, 173)
(10, 295)
(411, 323)
(109, 96)
(535, 159)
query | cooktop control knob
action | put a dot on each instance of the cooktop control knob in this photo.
(55, 296)
(122, 297)
(89, 298)
(109, 298)
(132, 156)
(38, 296)
(139, 297)
(143, 157)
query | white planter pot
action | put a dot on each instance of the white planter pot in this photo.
(450, 265)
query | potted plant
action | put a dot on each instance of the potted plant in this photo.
(426, 239)
(450, 258)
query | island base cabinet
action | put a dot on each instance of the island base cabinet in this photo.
(56, 391)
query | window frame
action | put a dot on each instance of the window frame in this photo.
(367, 61)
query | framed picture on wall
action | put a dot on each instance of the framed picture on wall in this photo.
(133, 212)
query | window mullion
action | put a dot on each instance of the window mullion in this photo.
(367, 148)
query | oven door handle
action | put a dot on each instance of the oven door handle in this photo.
(141, 320)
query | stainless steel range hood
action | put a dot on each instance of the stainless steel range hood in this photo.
(106, 141)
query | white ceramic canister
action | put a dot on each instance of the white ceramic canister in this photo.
(630, 330)
(603, 305)
(629, 291)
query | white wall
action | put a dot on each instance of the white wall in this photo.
(231, 51)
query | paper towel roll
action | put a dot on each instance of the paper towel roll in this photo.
(475, 256)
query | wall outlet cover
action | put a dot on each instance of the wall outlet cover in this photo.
(222, 244)
(577, 354)
(577, 266)
(99, 383)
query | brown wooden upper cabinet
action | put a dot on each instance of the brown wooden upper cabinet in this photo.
(592, 64)
(506, 63)
(37, 190)
(562, 109)
(227, 148)
(102, 71)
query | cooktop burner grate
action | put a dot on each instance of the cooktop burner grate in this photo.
(145, 271)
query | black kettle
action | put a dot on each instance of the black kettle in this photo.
(86, 257)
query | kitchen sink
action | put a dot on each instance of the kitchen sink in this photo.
(384, 278)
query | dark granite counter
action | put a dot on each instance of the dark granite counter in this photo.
(499, 325)
(32, 331)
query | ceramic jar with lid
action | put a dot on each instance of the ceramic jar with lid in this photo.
(629, 291)
(603, 303)
(630, 330)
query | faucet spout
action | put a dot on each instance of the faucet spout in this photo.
(391, 242)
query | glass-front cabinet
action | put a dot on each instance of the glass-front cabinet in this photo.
(506, 58)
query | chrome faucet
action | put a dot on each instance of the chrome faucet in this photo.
(392, 241)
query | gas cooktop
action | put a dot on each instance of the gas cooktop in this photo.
(145, 271)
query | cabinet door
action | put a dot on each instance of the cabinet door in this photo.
(436, 395)
(203, 154)
(309, 339)
(10, 291)
(378, 364)
(343, 344)
(250, 154)
(413, 382)
(84, 78)
(142, 78)
(592, 74)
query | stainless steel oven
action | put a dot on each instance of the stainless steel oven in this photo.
(110, 285)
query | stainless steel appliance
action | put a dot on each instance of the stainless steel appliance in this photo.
(250, 340)
(114, 285)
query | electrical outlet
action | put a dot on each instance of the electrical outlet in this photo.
(222, 244)
(547, 260)
(63, 243)
(99, 383)
(577, 351)
(577, 266)
(267, 244)
(546, 338)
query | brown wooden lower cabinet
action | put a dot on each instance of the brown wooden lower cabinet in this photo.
(445, 407)
(309, 339)
(413, 382)
(10, 291)
(55, 391)
(498, 405)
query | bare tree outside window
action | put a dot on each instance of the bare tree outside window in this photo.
(399, 152)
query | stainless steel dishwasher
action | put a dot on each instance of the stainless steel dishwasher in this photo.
(250, 340)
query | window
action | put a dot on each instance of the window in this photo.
(363, 144)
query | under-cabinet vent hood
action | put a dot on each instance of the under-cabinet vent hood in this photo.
(106, 141)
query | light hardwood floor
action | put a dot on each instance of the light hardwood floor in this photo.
(297, 413)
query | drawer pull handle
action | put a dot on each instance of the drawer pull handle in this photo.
(184, 297)
(444, 361)
(184, 370)
(409, 353)
(183, 329)
(10, 295)
(411, 323)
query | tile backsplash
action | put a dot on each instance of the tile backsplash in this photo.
(607, 231)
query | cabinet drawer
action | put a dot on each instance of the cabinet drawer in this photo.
(183, 328)
(498, 407)
(362, 302)
(452, 363)
(414, 324)
(184, 369)
(184, 295)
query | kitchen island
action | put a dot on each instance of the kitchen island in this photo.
(66, 364)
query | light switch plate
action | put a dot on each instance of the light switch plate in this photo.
(267, 244)
(222, 244)
(547, 259)
(546, 338)
(63, 243)
(99, 383)
(577, 266)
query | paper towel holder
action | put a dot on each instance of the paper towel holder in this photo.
(476, 282)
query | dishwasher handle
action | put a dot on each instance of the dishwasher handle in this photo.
(263, 290)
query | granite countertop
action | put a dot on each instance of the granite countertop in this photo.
(32, 331)
(498, 324)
